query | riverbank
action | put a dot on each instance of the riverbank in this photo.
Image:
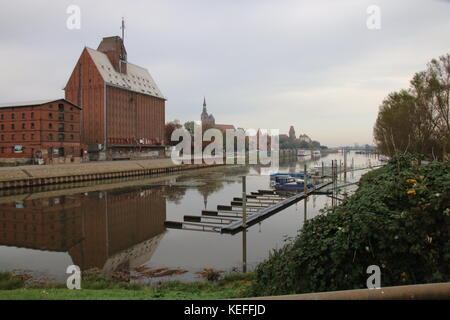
(231, 286)
(372, 227)
(35, 175)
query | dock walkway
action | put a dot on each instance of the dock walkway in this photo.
(227, 219)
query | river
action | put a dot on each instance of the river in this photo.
(119, 224)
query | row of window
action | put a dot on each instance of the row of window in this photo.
(61, 137)
(50, 116)
(50, 126)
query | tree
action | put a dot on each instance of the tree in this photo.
(189, 126)
(417, 119)
(168, 129)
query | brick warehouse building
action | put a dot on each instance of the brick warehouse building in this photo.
(47, 130)
(123, 109)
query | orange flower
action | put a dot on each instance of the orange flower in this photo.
(411, 192)
(411, 181)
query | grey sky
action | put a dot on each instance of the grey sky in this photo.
(261, 64)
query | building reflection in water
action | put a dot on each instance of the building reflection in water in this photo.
(109, 230)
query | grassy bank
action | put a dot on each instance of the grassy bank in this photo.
(17, 287)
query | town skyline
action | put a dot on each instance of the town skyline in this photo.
(329, 70)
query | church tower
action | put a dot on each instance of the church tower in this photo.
(207, 119)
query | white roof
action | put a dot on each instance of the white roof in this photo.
(27, 103)
(136, 79)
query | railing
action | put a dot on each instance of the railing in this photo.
(432, 291)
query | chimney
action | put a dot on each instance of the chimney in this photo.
(114, 48)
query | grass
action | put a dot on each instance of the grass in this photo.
(13, 287)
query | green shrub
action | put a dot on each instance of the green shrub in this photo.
(399, 219)
(9, 281)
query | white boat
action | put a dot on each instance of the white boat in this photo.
(316, 153)
(303, 152)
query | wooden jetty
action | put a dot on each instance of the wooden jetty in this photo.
(229, 218)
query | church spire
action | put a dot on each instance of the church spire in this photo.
(204, 102)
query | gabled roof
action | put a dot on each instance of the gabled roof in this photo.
(136, 79)
(225, 126)
(33, 103)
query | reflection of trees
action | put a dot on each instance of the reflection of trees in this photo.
(174, 194)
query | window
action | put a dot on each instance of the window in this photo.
(50, 126)
(2, 116)
(71, 127)
(71, 137)
(60, 116)
(61, 137)
(23, 115)
(50, 115)
(71, 117)
(32, 136)
(32, 115)
(60, 126)
(13, 126)
(23, 125)
(61, 107)
(32, 125)
(12, 116)
(2, 127)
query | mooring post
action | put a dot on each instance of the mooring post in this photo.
(244, 224)
(345, 165)
(305, 180)
(322, 170)
(305, 190)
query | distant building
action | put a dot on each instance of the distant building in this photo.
(40, 131)
(123, 108)
(207, 119)
(292, 133)
(225, 127)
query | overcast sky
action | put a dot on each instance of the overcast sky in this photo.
(260, 64)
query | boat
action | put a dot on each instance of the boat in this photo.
(303, 152)
(297, 185)
(316, 153)
(279, 177)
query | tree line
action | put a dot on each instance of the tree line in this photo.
(416, 120)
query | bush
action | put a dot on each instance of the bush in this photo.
(9, 281)
(399, 219)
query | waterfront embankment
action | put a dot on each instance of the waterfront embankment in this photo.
(35, 175)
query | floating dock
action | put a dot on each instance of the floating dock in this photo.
(229, 218)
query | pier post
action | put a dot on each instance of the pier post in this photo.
(345, 165)
(305, 190)
(244, 224)
(323, 169)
